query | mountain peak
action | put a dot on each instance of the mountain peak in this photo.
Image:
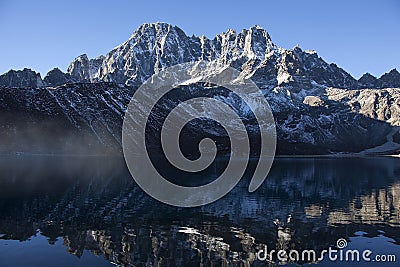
(56, 77)
(258, 30)
(82, 69)
(369, 81)
(157, 24)
(391, 79)
(160, 28)
(257, 27)
(367, 75)
(21, 78)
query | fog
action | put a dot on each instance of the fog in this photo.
(41, 134)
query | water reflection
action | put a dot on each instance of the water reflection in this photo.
(91, 205)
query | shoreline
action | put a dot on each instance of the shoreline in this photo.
(347, 155)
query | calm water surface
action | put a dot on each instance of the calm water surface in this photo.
(66, 211)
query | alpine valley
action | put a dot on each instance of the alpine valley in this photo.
(318, 107)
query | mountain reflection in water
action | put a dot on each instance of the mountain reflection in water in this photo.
(91, 206)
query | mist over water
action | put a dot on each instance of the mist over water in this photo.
(88, 211)
(39, 134)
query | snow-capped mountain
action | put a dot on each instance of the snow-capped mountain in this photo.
(318, 107)
(159, 45)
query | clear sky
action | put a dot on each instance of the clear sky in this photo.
(359, 36)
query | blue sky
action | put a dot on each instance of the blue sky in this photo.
(359, 36)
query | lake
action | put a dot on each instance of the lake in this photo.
(88, 211)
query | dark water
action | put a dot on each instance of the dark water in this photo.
(60, 211)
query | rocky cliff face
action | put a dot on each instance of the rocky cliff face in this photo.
(318, 107)
(82, 69)
(57, 77)
(391, 79)
(21, 78)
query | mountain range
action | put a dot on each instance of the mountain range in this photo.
(318, 107)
